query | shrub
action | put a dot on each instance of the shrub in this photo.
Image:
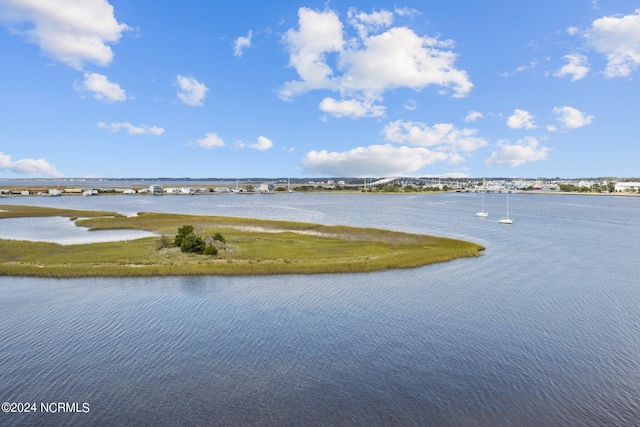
(192, 244)
(182, 232)
(164, 241)
(218, 237)
(210, 250)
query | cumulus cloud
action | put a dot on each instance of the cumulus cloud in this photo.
(473, 116)
(263, 144)
(577, 67)
(526, 150)
(31, 167)
(319, 34)
(351, 108)
(618, 39)
(571, 117)
(210, 140)
(191, 91)
(411, 146)
(441, 137)
(520, 119)
(401, 58)
(74, 32)
(375, 160)
(133, 130)
(102, 88)
(363, 67)
(242, 43)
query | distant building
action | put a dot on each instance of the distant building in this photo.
(129, 191)
(623, 187)
(155, 189)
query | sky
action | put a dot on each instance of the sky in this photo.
(206, 89)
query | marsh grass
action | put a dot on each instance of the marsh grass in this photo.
(17, 211)
(253, 247)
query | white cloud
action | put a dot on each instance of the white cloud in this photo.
(410, 105)
(571, 117)
(406, 11)
(102, 88)
(351, 108)
(441, 137)
(242, 43)
(422, 145)
(263, 144)
(375, 160)
(618, 38)
(74, 32)
(191, 91)
(576, 67)
(320, 33)
(364, 67)
(526, 150)
(133, 130)
(401, 58)
(367, 22)
(31, 167)
(210, 140)
(572, 31)
(473, 116)
(520, 119)
(534, 63)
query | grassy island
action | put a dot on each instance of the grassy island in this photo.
(251, 247)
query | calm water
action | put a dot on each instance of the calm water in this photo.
(62, 231)
(542, 330)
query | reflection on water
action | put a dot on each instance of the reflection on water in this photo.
(62, 231)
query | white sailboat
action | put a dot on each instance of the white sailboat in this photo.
(506, 220)
(482, 213)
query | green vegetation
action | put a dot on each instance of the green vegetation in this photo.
(183, 231)
(596, 188)
(189, 242)
(249, 247)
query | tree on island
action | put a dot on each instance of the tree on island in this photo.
(192, 244)
(189, 242)
(182, 233)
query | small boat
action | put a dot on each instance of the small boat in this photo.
(482, 213)
(506, 220)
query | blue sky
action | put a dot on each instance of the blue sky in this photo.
(137, 88)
